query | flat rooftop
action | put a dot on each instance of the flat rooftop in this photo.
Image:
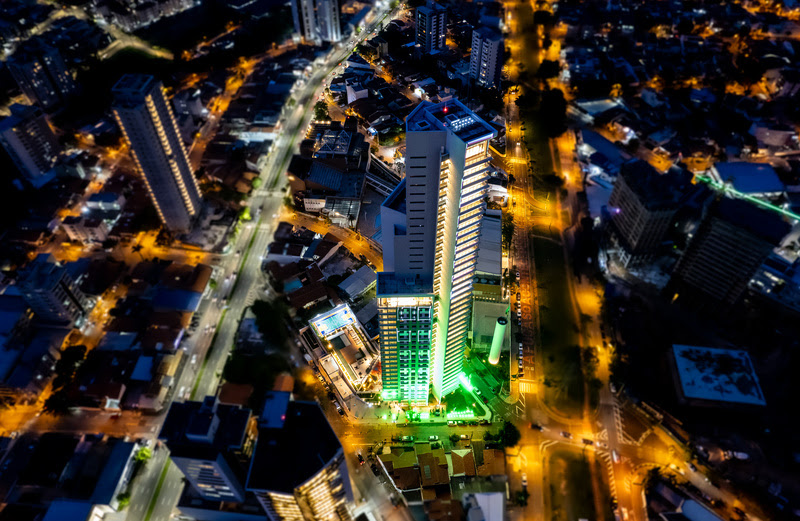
(718, 375)
(393, 284)
(452, 116)
(749, 178)
(287, 457)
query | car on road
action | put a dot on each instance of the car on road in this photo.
(451, 423)
(433, 438)
(360, 458)
(524, 480)
(615, 456)
(587, 441)
(519, 296)
(536, 426)
(517, 275)
(194, 359)
(407, 438)
(484, 400)
(477, 391)
(566, 434)
(375, 469)
(691, 466)
(612, 387)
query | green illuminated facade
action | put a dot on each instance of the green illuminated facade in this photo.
(406, 324)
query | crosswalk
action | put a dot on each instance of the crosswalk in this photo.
(527, 387)
(605, 457)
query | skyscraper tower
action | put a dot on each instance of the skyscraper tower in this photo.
(29, 141)
(430, 229)
(431, 27)
(317, 21)
(148, 123)
(486, 57)
(41, 74)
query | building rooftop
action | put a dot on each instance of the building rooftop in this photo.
(749, 178)
(719, 375)
(187, 420)
(300, 448)
(392, 284)
(452, 116)
(131, 89)
(359, 281)
(655, 191)
(762, 223)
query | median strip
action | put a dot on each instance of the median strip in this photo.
(157, 492)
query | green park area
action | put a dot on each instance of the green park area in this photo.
(570, 488)
(560, 353)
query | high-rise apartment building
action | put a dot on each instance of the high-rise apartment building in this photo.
(29, 141)
(42, 74)
(730, 244)
(430, 227)
(642, 206)
(146, 118)
(52, 293)
(298, 471)
(211, 444)
(431, 27)
(486, 58)
(317, 21)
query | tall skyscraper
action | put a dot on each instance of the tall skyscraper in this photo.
(145, 116)
(431, 27)
(29, 141)
(642, 206)
(430, 227)
(730, 244)
(41, 74)
(317, 21)
(52, 293)
(211, 444)
(298, 471)
(486, 58)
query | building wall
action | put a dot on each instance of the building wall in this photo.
(721, 259)
(641, 229)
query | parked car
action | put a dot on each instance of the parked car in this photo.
(524, 480)
(537, 427)
(360, 459)
(375, 469)
(407, 438)
(566, 434)
(433, 438)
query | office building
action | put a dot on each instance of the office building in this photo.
(146, 118)
(642, 205)
(29, 141)
(317, 21)
(486, 58)
(430, 229)
(298, 471)
(730, 244)
(431, 27)
(52, 293)
(42, 74)
(211, 444)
